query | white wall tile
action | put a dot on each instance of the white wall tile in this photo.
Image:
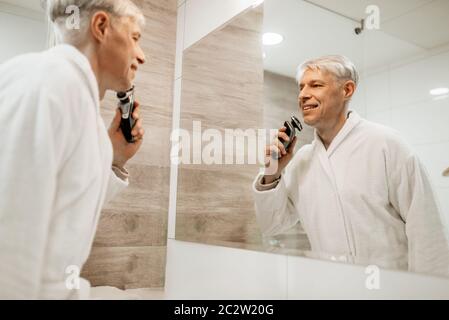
(204, 16)
(377, 88)
(197, 271)
(358, 101)
(412, 82)
(435, 157)
(425, 122)
(383, 118)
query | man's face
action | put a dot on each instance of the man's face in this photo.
(121, 54)
(321, 98)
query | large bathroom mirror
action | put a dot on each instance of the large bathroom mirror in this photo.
(233, 81)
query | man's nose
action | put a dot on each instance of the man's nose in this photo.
(140, 56)
(303, 96)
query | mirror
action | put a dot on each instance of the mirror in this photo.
(401, 52)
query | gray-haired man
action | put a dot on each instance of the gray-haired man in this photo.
(358, 190)
(58, 163)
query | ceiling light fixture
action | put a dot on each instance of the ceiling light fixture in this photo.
(439, 91)
(271, 38)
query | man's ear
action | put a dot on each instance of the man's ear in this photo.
(349, 89)
(99, 24)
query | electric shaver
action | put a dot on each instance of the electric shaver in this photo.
(126, 105)
(292, 126)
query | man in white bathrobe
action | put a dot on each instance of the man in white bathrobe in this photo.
(358, 190)
(58, 162)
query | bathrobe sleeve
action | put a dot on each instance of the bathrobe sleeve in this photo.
(275, 209)
(118, 180)
(39, 138)
(411, 194)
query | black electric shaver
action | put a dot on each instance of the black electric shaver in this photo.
(126, 105)
(292, 126)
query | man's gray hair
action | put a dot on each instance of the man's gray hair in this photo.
(340, 66)
(59, 12)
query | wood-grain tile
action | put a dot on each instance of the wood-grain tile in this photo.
(221, 87)
(126, 267)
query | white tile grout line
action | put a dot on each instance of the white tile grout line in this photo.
(176, 115)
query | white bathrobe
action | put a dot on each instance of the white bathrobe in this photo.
(55, 172)
(366, 199)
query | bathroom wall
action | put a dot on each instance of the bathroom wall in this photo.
(130, 245)
(399, 97)
(29, 31)
(222, 88)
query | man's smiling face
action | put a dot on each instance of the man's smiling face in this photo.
(121, 53)
(321, 98)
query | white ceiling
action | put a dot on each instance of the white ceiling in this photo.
(408, 28)
(421, 22)
(356, 8)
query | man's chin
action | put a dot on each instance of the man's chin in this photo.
(309, 120)
(124, 87)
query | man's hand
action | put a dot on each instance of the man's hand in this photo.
(123, 150)
(276, 157)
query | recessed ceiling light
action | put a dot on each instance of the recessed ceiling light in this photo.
(264, 55)
(439, 91)
(271, 39)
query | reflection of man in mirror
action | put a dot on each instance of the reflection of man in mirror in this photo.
(358, 189)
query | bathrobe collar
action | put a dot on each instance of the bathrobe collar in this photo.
(75, 56)
(352, 122)
(324, 156)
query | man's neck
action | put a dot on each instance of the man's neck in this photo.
(88, 51)
(328, 134)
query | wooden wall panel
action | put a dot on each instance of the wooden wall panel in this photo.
(221, 87)
(216, 205)
(127, 267)
(130, 245)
